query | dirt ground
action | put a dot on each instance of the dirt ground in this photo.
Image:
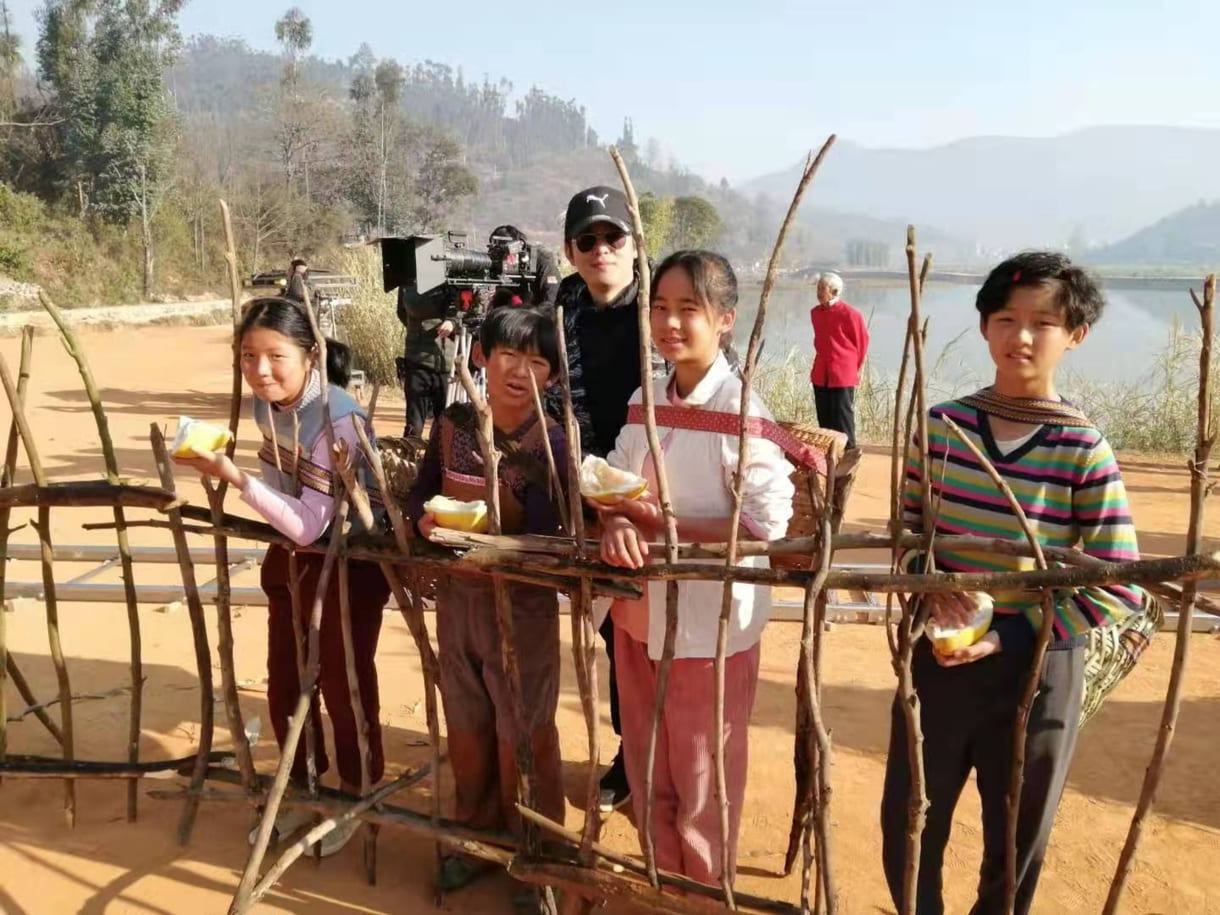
(105, 865)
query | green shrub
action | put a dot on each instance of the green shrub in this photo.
(20, 212)
(13, 261)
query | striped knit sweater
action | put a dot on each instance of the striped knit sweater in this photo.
(1070, 487)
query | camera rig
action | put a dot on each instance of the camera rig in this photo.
(467, 278)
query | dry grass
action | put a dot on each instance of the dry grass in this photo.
(370, 325)
(1152, 413)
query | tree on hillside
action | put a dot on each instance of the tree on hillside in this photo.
(294, 32)
(10, 64)
(547, 124)
(657, 214)
(106, 62)
(378, 185)
(696, 224)
(626, 143)
(441, 179)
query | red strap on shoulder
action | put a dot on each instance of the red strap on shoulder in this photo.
(730, 424)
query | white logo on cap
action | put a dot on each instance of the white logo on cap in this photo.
(600, 200)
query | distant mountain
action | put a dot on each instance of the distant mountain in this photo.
(530, 155)
(1189, 238)
(1095, 185)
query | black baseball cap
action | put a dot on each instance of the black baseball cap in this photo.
(596, 204)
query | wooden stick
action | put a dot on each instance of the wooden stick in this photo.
(522, 544)
(899, 448)
(494, 847)
(313, 838)
(554, 546)
(216, 496)
(1030, 691)
(411, 607)
(821, 732)
(609, 887)
(557, 495)
(301, 639)
(906, 638)
(545, 569)
(6, 480)
(199, 634)
(726, 602)
(485, 430)
(584, 648)
(85, 494)
(23, 690)
(353, 491)
(353, 682)
(43, 526)
(345, 468)
(72, 345)
(372, 408)
(636, 866)
(1205, 439)
(812, 812)
(241, 899)
(299, 635)
(35, 709)
(29, 766)
(666, 503)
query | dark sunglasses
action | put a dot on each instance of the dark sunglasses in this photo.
(587, 241)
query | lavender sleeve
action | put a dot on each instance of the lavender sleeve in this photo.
(302, 520)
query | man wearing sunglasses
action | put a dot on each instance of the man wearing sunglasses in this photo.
(601, 327)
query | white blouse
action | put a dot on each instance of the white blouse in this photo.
(700, 468)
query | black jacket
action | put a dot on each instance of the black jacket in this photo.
(603, 345)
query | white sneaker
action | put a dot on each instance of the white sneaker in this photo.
(333, 841)
(287, 822)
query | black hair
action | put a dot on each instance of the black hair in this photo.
(298, 262)
(1076, 291)
(526, 329)
(507, 231)
(715, 286)
(287, 317)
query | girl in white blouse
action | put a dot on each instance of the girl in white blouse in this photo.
(693, 310)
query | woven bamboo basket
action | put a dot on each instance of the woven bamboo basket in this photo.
(808, 503)
(400, 458)
(1112, 652)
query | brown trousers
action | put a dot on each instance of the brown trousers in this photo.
(478, 710)
(369, 594)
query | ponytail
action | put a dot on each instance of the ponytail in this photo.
(730, 352)
(338, 363)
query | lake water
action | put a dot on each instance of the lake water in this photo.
(1134, 327)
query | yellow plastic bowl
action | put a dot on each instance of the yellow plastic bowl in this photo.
(196, 437)
(607, 485)
(946, 641)
(470, 517)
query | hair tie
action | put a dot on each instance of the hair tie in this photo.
(1016, 276)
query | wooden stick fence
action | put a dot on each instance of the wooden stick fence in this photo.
(569, 563)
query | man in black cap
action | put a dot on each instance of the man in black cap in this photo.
(601, 327)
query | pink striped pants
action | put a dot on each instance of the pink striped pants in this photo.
(686, 815)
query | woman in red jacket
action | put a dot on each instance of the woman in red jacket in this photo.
(840, 343)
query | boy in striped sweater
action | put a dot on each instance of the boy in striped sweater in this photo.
(1033, 308)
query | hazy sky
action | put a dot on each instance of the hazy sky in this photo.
(738, 89)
